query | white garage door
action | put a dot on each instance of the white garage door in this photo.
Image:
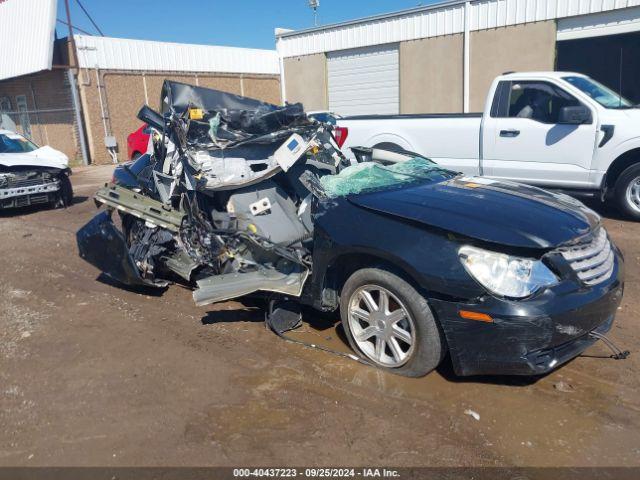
(364, 81)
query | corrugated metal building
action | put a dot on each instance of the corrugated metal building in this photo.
(443, 57)
(34, 83)
(31, 49)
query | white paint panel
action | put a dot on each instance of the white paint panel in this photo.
(125, 54)
(439, 19)
(607, 23)
(364, 81)
(27, 32)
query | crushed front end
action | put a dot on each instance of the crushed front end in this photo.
(25, 186)
(224, 203)
(533, 336)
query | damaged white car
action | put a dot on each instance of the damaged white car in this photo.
(32, 175)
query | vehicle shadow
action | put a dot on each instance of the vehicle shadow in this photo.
(79, 199)
(252, 309)
(445, 370)
(605, 210)
(248, 314)
(140, 290)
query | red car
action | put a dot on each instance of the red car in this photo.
(138, 141)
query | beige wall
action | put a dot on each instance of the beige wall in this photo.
(518, 48)
(46, 90)
(125, 94)
(306, 81)
(431, 72)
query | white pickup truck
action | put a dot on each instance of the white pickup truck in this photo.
(557, 130)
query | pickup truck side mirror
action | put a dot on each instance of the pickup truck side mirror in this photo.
(576, 115)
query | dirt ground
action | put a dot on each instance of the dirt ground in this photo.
(91, 374)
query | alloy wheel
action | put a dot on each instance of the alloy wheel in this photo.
(633, 194)
(381, 326)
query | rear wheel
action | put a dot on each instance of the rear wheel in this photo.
(389, 323)
(627, 191)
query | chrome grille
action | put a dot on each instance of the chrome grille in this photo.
(592, 261)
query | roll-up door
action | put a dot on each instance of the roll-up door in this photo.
(364, 81)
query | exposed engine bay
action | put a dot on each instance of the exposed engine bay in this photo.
(225, 200)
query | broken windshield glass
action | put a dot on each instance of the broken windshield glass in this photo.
(370, 176)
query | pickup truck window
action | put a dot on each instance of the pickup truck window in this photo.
(539, 101)
(601, 94)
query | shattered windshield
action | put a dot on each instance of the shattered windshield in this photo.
(14, 143)
(372, 176)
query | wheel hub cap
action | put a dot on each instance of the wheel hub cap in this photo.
(633, 194)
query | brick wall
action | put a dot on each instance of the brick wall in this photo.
(124, 94)
(50, 109)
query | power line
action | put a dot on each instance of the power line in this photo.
(89, 17)
(74, 26)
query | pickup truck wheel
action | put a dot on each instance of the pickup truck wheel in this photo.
(627, 191)
(389, 323)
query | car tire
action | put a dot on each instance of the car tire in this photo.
(627, 191)
(66, 191)
(414, 358)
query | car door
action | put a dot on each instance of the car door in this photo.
(524, 140)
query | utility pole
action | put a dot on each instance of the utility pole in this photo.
(314, 4)
(73, 57)
(74, 69)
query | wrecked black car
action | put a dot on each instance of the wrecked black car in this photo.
(240, 196)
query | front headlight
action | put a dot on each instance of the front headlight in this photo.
(504, 275)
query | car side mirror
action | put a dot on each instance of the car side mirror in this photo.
(576, 115)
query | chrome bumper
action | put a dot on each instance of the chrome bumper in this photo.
(31, 190)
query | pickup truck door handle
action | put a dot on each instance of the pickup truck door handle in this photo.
(509, 133)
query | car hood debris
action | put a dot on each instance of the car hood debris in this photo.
(42, 157)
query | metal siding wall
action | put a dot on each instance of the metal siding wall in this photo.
(433, 21)
(364, 81)
(124, 54)
(607, 23)
(27, 29)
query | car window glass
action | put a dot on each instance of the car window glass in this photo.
(500, 106)
(16, 144)
(601, 94)
(539, 101)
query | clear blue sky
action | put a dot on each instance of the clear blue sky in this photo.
(241, 23)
